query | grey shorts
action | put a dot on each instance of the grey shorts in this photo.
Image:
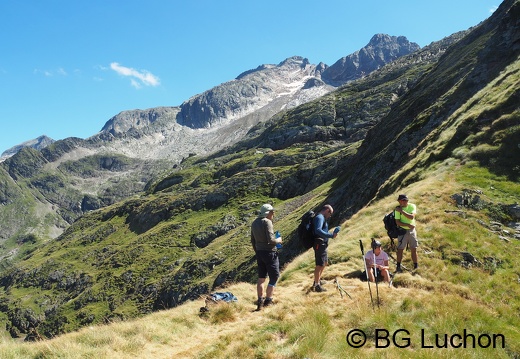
(409, 238)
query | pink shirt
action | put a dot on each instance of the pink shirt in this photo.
(380, 259)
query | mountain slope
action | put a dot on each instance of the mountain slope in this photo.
(447, 295)
(366, 60)
(134, 148)
(189, 233)
(37, 143)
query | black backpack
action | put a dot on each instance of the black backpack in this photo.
(391, 227)
(306, 230)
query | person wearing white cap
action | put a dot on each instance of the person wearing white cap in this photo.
(405, 218)
(264, 243)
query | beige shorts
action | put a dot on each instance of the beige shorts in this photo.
(409, 238)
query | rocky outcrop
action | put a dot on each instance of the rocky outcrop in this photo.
(136, 119)
(381, 50)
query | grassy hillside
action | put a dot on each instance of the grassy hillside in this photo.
(43, 192)
(157, 250)
(446, 296)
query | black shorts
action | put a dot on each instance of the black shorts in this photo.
(268, 264)
(320, 253)
(378, 275)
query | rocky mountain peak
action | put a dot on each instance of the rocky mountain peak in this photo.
(380, 50)
(290, 83)
(295, 61)
(268, 87)
(37, 143)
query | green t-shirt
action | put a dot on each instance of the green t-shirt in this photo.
(410, 208)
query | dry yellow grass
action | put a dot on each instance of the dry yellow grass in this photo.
(183, 333)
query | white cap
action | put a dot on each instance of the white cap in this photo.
(265, 209)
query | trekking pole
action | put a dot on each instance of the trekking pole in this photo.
(340, 289)
(375, 276)
(366, 271)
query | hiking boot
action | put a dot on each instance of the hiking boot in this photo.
(415, 265)
(259, 304)
(318, 288)
(398, 269)
(268, 301)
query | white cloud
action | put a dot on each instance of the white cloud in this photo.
(137, 78)
(49, 73)
(493, 9)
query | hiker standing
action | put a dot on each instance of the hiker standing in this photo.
(377, 263)
(321, 242)
(405, 218)
(264, 244)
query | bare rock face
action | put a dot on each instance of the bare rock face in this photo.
(135, 119)
(268, 87)
(381, 50)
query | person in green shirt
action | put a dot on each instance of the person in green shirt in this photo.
(405, 218)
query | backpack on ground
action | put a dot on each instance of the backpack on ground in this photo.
(306, 230)
(391, 227)
(216, 298)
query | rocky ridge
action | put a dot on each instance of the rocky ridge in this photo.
(37, 143)
(226, 112)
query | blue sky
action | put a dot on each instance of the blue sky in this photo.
(68, 66)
